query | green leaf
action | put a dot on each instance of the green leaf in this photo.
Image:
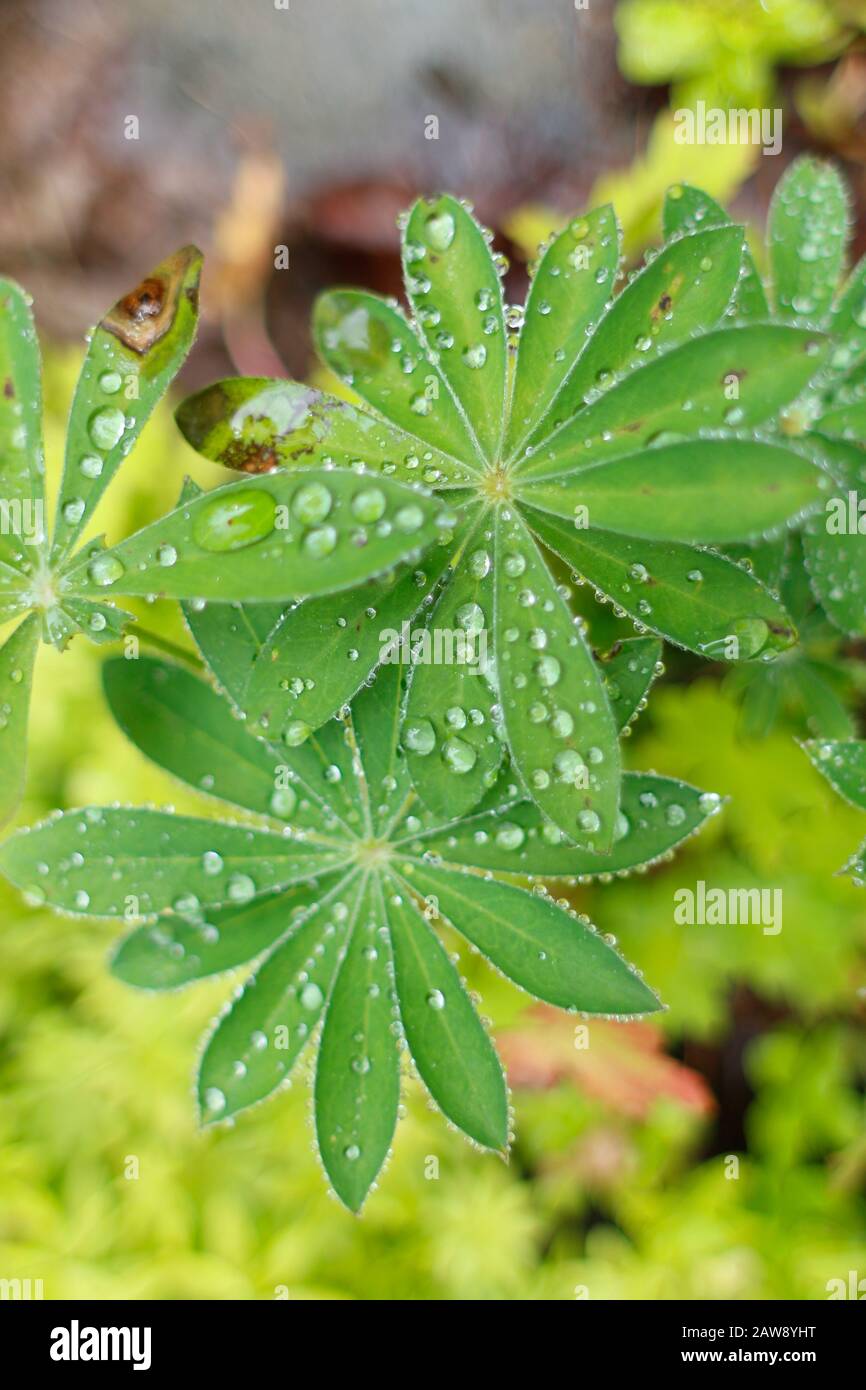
(374, 350)
(685, 288)
(455, 291)
(253, 425)
(704, 491)
(279, 536)
(258, 1040)
(552, 954)
(357, 1088)
(807, 232)
(567, 294)
(688, 209)
(843, 763)
(321, 652)
(449, 735)
(696, 599)
(848, 421)
(175, 951)
(454, 1056)
(847, 322)
(109, 862)
(230, 637)
(133, 355)
(731, 377)
(375, 725)
(17, 658)
(180, 723)
(101, 622)
(656, 815)
(22, 462)
(562, 735)
(629, 670)
(834, 547)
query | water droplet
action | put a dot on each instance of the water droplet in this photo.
(369, 505)
(283, 802)
(106, 427)
(91, 465)
(312, 503)
(419, 736)
(459, 755)
(311, 997)
(510, 836)
(320, 542)
(166, 555)
(235, 520)
(110, 383)
(436, 999)
(240, 888)
(296, 733)
(475, 356)
(105, 569)
(211, 862)
(439, 230)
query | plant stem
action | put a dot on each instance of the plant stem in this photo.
(170, 648)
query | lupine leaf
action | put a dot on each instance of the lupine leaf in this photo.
(22, 464)
(656, 815)
(454, 1056)
(375, 351)
(17, 658)
(569, 290)
(357, 1087)
(560, 729)
(686, 287)
(733, 376)
(279, 536)
(694, 598)
(133, 355)
(110, 862)
(175, 951)
(704, 491)
(629, 670)
(375, 725)
(319, 653)
(689, 209)
(259, 1038)
(444, 256)
(252, 424)
(183, 725)
(550, 953)
(450, 736)
(834, 548)
(844, 765)
(807, 231)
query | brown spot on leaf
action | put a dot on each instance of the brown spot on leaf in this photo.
(8, 389)
(144, 316)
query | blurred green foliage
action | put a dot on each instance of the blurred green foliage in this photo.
(93, 1075)
(726, 51)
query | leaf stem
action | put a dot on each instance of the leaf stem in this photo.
(170, 648)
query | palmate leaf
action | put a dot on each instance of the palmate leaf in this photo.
(337, 910)
(807, 234)
(643, 397)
